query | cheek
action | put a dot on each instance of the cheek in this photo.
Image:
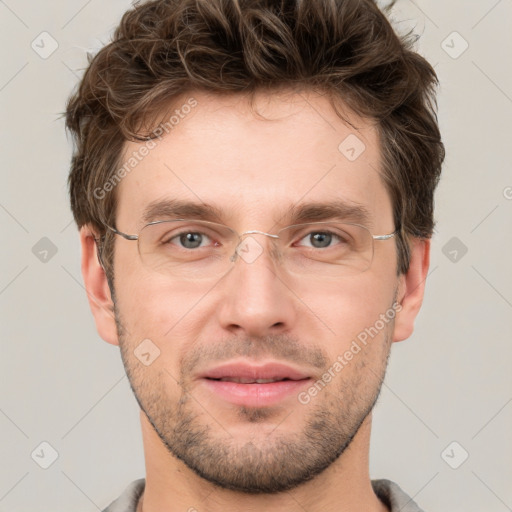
(345, 309)
(153, 307)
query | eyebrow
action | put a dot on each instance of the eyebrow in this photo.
(339, 210)
(178, 208)
(331, 210)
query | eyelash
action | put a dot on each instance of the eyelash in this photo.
(177, 236)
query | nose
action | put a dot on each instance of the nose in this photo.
(256, 297)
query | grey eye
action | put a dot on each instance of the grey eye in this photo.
(189, 240)
(321, 239)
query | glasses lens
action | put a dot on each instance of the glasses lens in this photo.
(327, 249)
(190, 249)
(200, 249)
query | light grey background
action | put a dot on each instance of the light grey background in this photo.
(63, 385)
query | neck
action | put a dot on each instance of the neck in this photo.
(344, 486)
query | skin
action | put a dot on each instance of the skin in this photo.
(253, 169)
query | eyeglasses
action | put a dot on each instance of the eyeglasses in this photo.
(197, 249)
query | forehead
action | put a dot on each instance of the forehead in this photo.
(254, 163)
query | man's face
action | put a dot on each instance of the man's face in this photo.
(257, 319)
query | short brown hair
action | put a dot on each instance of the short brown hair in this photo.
(163, 49)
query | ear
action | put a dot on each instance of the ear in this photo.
(411, 289)
(96, 285)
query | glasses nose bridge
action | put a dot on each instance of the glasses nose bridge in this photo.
(257, 232)
(241, 237)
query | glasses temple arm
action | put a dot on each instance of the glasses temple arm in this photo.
(120, 233)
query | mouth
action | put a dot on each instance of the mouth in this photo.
(242, 380)
(249, 385)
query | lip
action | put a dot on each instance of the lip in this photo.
(291, 380)
(245, 370)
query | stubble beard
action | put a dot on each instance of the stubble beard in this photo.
(269, 463)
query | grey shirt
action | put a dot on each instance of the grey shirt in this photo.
(388, 492)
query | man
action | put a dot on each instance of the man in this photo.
(253, 182)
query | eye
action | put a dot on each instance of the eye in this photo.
(188, 239)
(191, 240)
(321, 239)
